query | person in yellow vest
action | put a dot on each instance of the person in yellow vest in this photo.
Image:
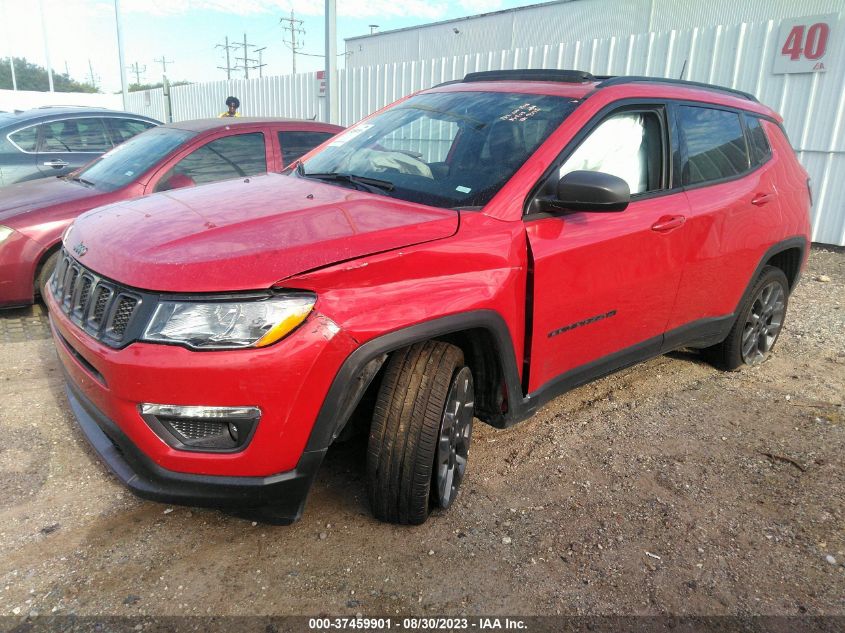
(232, 104)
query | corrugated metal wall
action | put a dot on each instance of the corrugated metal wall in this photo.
(739, 56)
(566, 21)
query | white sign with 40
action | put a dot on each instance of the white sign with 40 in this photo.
(804, 43)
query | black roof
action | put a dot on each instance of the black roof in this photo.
(580, 76)
(51, 112)
(203, 125)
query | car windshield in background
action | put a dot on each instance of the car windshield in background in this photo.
(446, 149)
(127, 161)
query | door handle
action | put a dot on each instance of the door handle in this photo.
(668, 223)
(56, 164)
(762, 198)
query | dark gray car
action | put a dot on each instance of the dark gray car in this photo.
(53, 141)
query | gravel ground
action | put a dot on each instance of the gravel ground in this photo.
(668, 488)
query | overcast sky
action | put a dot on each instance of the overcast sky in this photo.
(186, 32)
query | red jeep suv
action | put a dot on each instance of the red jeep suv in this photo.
(471, 251)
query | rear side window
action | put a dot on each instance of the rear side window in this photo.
(715, 144)
(296, 144)
(124, 129)
(26, 138)
(234, 156)
(75, 135)
(757, 141)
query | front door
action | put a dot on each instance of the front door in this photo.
(603, 284)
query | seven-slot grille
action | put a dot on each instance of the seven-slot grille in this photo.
(102, 308)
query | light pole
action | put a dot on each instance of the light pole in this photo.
(46, 46)
(331, 62)
(120, 55)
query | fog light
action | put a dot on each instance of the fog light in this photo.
(200, 428)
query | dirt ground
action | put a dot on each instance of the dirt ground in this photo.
(668, 488)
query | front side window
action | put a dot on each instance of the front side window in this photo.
(234, 156)
(74, 135)
(447, 149)
(757, 141)
(627, 145)
(297, 143)
(124, 129)
(715, 144)
(126, 162)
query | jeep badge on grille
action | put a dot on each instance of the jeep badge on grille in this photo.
(80, 249)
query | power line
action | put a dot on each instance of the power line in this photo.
(294, 27)
(228, 67)
(138, 70)
(164, 62)
(248, 62)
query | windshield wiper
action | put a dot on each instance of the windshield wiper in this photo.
(87, 183)
(373, 185)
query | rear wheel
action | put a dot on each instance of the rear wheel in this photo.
(421, 431)
(758, 324)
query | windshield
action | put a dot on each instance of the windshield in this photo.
(127, 161)
(447, 149)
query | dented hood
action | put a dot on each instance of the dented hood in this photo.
(246, 234)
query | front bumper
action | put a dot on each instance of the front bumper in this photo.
(19, 257)
(284, 493)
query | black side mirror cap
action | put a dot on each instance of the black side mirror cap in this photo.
(590, 191)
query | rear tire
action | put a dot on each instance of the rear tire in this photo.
(44, 273)
(420, 433)
(758, 324)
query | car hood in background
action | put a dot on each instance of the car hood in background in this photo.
(21, 198)
(246, 234)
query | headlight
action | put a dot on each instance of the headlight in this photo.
(5, 232)
(228, 324)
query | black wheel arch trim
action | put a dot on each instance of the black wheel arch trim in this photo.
(347, 387)
(799, 242)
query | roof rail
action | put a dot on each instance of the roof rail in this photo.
(531, 74)
(622, 79)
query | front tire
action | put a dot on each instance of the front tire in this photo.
(758, 324)
(420, 434)
(44, 273)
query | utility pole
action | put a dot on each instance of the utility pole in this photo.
(293, 26)
(164, 62)
(331, 62)
(136, 68)
(121, 59)
(67, 70)
(91, 78)
(46, 46)
(228, 68)
(261, 63)
(246, 59)
(12, 67)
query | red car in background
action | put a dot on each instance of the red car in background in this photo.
(33, 215)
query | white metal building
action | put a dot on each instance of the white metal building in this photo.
(789, 54)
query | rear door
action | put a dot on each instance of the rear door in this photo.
(294, 144)
(733, 210)
(67, 144)
(18, 156)
(603, 284)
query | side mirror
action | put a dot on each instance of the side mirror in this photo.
(591, 191)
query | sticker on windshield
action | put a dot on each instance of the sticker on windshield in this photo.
(522, 113)
(463, 189)
(347, 136)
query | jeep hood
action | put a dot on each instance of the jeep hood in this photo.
(23, 197)
(246, 234)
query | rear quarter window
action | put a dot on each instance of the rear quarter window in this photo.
(25, 139)
(758, 144)
(715, 144)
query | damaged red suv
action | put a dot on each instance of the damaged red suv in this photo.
(469, 252)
